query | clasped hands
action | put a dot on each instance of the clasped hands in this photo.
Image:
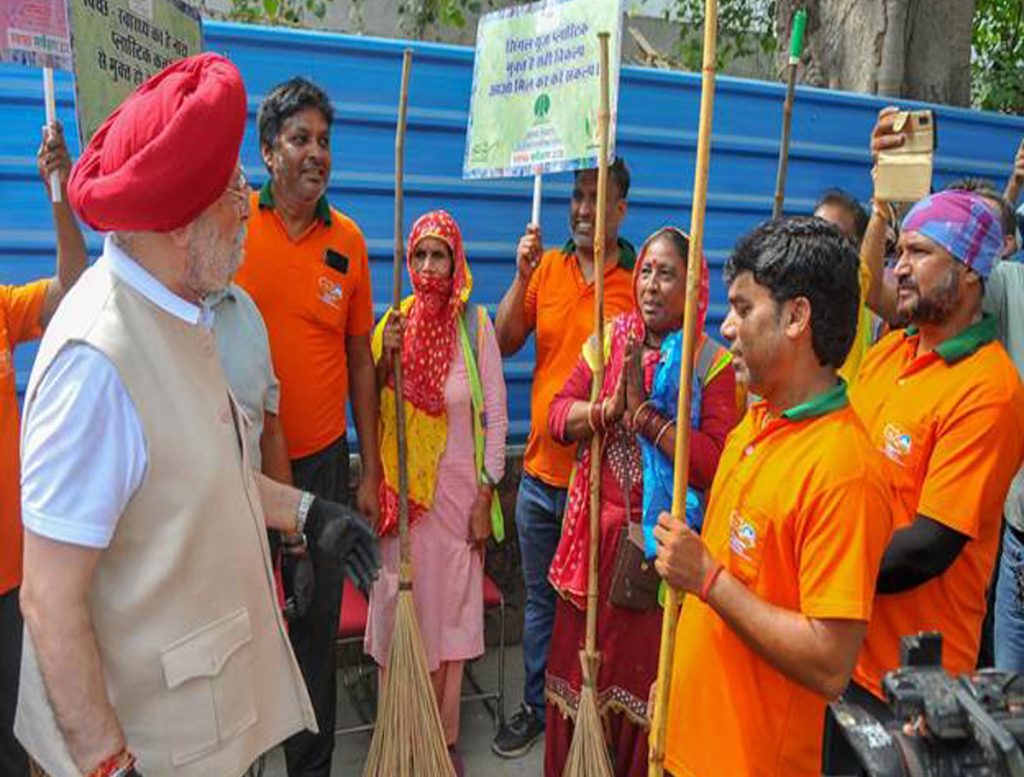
(629, 393)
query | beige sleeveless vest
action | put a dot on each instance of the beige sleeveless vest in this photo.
(195, 657)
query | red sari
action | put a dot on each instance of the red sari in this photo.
(627, 640)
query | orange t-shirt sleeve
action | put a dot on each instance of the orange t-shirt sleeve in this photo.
(842, 539)
(970, 468)
(360, 308)
(23, 306)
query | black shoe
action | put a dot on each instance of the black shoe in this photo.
(516, 737)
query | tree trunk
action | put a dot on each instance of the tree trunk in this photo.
(919, 49)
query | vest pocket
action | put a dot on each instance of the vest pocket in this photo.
(210, 691)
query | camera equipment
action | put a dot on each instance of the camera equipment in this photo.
(971, 726)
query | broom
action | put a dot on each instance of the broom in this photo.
(588, 753)
(408, 740)
(656, 761)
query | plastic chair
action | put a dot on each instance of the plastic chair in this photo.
(493, 600)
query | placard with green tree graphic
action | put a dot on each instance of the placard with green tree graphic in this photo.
(536, 83)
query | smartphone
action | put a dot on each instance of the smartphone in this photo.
(904, 174)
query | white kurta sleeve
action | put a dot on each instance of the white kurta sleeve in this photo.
(83, 450)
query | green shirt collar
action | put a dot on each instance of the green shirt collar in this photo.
(627, 253)
(323, 208)
(962, 345)
(826, 402)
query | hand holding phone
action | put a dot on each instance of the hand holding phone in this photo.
(903, 170)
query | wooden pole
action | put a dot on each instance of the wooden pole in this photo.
(656, 762)
(404, 544)
(796, 45)
(588, 751)
(600, 230)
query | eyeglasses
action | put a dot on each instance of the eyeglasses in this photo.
(240, 187)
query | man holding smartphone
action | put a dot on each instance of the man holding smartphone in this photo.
(945, 409)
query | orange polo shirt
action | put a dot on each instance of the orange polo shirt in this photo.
(798, 514)
(313, 292)
(950, 427)
(560, 310)
(20, 307)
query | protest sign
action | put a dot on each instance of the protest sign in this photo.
(118, 44)
(35, 33)
(536, 84)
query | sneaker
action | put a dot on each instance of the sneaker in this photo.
(517, 736)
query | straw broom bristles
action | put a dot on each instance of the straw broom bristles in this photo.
(408, 738)
(588, 753)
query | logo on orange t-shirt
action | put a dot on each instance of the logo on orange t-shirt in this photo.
(897, 443)
(742, 536)
(330, 292)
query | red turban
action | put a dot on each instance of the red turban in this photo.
(166, 153)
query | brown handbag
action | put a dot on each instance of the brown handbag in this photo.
(635, 581)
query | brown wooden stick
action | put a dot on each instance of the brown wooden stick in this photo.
(656, 763)
(404, 545)
(601, 228)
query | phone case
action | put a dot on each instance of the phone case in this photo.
(904, 174)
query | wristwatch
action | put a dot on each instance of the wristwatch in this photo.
(302, 512)
(486, 479)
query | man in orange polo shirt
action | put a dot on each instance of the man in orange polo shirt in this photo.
(552, 295)
(24, 313)
(945, 409)
(782, 580)
(307, 269)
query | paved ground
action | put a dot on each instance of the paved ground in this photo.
(474, 740)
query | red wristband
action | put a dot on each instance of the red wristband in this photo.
(119, 763)
(709, 580)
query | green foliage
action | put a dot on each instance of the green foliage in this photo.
(290, 13)
(745, 28)
(997, 60)
(419, 15)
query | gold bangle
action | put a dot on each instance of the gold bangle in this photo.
(661, 432)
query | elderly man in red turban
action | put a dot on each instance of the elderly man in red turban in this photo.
(154, 643)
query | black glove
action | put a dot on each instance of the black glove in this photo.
(341, 533)
(299, 584)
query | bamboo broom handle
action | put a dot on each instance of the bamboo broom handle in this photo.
(595, 443)
(404, 546)
(656, 763)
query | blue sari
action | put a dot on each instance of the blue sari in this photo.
(658, 468)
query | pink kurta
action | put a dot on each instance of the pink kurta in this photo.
(447, 569)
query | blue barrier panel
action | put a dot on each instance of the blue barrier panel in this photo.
(656, 134)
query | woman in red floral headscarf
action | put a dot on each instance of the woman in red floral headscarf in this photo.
(447, 346)
(636, 411)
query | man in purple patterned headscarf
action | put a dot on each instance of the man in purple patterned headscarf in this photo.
(959, 223)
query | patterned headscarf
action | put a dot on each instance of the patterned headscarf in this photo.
(429, 340)
(962, 223)
(428, 346)
(703, 293)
